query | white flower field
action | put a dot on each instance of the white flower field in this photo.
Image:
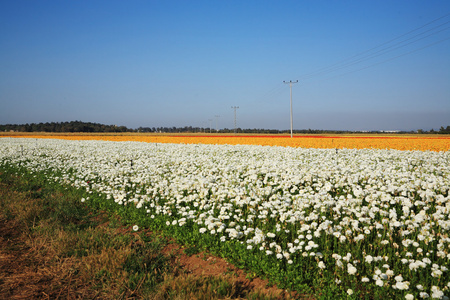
(362, 221)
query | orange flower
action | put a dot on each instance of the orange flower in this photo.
(407, 142)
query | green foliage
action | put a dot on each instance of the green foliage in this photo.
(145, 266)
(118, 265)
(191, 250)
(73, 126)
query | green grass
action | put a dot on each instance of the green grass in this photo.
(91, 252)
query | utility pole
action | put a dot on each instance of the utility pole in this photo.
(210, 121)
(217, 120)
(235, 107)
(290, 86)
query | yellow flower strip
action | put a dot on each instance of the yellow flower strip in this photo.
(437, 143)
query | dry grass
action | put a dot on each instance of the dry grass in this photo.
(189, 286)
(42, 256)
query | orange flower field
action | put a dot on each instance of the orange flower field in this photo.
(407, 142)
(341, 217)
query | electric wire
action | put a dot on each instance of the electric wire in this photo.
(370, 54)
(385, 50)
(392, 58)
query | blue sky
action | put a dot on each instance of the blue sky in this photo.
(361, 65)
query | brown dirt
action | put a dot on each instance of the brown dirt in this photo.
(29, 266)
(27, 272)
(204, 264)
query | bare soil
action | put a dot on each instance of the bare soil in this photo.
(28, 273)
(31, 269)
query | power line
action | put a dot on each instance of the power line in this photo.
(274, 91)
(377, 54)
(369, 54)
(384, 48)
(392, 58)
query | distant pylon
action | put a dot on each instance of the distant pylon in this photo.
(235, 107)
(217, 121)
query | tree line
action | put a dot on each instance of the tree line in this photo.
(79, 126)
(73, 126)
(227, 130)
(442, 130)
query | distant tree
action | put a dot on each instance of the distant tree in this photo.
(444, 130)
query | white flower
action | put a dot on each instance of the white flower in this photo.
(347, 257)
(436, 273)
(350, 291)
(402, 285)
(409, 297)
(351, 269)
(250, 186)
(413, 266)
(135, 228)
(436, 292)
(321, 265)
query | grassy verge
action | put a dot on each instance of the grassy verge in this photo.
(54, 246)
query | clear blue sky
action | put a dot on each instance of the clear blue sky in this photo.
(361, 65)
